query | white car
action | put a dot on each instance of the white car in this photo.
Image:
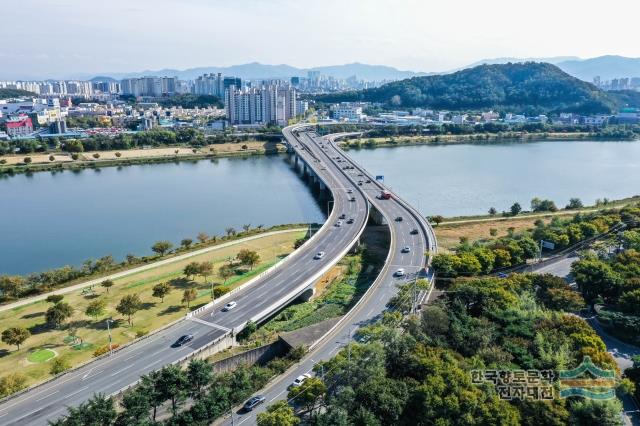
(319, 255)
(229, 306)
(399, 273)
(406, 249)
(339, 223)
(300, 380)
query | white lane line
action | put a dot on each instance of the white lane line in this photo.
(210, 324)
(86, 376)
(77, 392)
(47, 396)
(121, 370)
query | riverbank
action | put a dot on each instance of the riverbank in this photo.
(78, 339)
(58, 161)
(479, 138)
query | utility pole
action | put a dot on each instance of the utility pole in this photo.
(109, 330)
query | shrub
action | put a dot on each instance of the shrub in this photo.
(59, 365)
(118, 154)
(51, 158)
(27, 160)
(74, 156)
(141, 333)
(96, 155)
(220, 291)
(104, 349)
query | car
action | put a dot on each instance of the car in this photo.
(360, 174)
(350, 221)
(183, 340)
(323, 168)
(342, 216)
(352, 199)
(349, 191)
(339, 223)
(300, 380)
(229, 306)
(399, 219)
(414, 231)
(253, 402)
(319, 255)
(359, 183)
(368, 181)
(399, 272)
(406, 249)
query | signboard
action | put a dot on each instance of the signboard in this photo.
(547, 244)
(380, 177)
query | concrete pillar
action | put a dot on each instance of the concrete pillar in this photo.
(376, 216)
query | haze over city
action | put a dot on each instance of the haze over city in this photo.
(72, 38)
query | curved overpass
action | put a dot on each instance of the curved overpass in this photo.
(373, 303)
(256, 300)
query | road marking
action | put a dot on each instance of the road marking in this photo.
(86, 376)
(4, 414)
(120, 371)
(210, 324)
(47, 396)
(76, 392)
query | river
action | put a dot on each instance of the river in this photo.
(52, 219)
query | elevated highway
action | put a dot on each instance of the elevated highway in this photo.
(263, 296)
(422, 245)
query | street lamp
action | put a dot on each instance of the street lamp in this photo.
(109, 320)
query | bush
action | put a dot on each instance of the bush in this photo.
(141, 333)
(96, 155)
(118, 154)
(27, 160)
(51, 158)
(59, 365)
(104, 349)
(12, 383)
(220, 291)
(74, 156)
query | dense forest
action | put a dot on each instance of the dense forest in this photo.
(529, 87)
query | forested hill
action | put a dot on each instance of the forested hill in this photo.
(530, 87)
(14, 93)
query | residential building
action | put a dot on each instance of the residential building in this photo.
(267, 104)
(349, 111)
(19, 126)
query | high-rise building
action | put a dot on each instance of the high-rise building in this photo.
(209, 84)
(149, 86)
(267, 104)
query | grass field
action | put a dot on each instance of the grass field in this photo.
(91, 334)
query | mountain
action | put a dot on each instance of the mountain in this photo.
(551, 60)
(15, 93)
(530, 87)
(607, 67)
(256, 70)
(103, 78)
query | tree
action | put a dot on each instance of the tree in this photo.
(437, 219)
(54, 298)
(311, 391)
(205, 269)
(493, 211)
(58, 313)
(202, 237)
(171, 384)
(225, 272)
(596, 279)
(15, 336)
(107, 284)
(589, 412)
(189, 296)
(199, 374)
(574, 203)
(161, 290)
(278, 414)
(230, 231)
(515, 209)
(186, 243)
(96, 308)
(191, 269)
(161, 247)
(98, 411)
(12, 383)
(136, 404)
(248, 257)
(246, 227)
(27, 160)
(129, 305)
(59, 365)
(11, 286)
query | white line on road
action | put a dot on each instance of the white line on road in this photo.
(121, 370)
(76, 392)
(47, 396)
(210, 324)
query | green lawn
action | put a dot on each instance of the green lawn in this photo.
(92, 333)
(40, 355)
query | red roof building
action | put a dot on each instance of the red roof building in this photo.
(19, 126)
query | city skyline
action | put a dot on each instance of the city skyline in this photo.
(70, 38)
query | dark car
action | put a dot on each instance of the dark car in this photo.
(414, 231)
(254, 402)
(183, 340)
(342, 216)
(350, 221)
(399, 219)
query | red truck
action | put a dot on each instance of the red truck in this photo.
(385, 195)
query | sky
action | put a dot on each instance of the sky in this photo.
(62, 38)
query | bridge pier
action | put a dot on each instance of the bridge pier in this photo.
(376, 216)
